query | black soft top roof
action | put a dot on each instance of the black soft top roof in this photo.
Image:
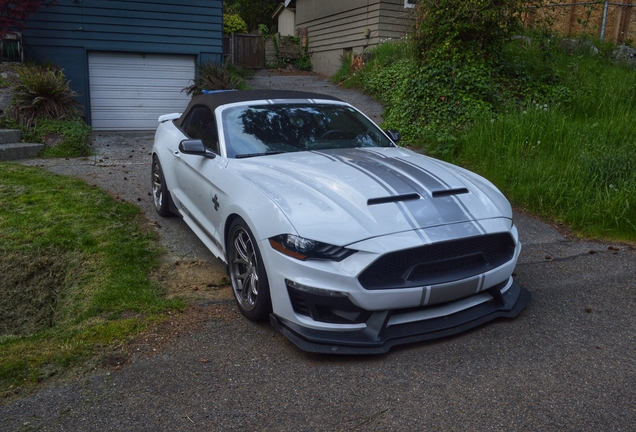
(215, 100)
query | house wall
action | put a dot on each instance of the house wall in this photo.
(286, 21)
(337, 27)
(65, 33)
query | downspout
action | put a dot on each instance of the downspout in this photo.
(604, 19)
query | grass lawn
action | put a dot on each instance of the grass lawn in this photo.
(75, 268)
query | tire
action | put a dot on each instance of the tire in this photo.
(160, 192)
(247, 273)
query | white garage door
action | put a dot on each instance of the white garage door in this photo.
(130, 91)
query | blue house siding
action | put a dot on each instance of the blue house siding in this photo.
(65, 33)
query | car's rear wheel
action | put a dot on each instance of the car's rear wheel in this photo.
(160, 193)
(247, 273)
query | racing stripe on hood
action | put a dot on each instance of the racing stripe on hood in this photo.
(409, 166)
(399, 177)
(376, 175)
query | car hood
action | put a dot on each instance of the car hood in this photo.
(347, 195)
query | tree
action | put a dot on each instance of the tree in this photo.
(467, 28)
(13, 13)
(253, 12)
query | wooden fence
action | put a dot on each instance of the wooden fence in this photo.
(245, 50)
(612, 21)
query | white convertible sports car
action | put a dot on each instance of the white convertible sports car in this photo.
(348, 243)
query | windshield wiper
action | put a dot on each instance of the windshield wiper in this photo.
(249, 155)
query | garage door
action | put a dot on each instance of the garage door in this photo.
(130, 91)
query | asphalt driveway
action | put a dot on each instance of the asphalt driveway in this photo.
(566, 363)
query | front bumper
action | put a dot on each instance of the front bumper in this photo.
(380, 334)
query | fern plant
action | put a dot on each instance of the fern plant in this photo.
(41, 93)
(213, 76)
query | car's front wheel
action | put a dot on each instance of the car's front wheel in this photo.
(160, 193)
(247, 273)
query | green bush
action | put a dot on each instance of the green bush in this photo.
(233, 23)
(434, 83)
(75, 137)
(41, 93)
(467, 29)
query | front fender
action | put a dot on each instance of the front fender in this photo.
(264, 218)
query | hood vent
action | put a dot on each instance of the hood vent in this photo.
(394, 198)
(449, 192)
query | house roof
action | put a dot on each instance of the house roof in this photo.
(288, 4)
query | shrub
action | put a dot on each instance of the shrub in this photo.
(75, 137)
(467, 28)
(214, 76)
(233, 23)
(459, 63)
(41, 93)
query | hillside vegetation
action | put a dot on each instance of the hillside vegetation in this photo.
(553, 128)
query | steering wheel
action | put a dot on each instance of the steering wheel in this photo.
(331, 132)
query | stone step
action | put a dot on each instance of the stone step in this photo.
(19, 151)
(9, 136)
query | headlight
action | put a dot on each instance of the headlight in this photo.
(304, 249)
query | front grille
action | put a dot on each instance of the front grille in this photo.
(439, 262)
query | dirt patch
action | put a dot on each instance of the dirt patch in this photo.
(206, 290)
(197, 282)
(29, 290)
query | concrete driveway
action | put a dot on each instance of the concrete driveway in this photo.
(566, 363)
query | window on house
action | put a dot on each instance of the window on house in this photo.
(410, 3)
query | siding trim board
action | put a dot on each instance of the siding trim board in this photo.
(68, 33)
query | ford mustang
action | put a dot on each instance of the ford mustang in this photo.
(346, 242)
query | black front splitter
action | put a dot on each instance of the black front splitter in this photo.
(369, 341)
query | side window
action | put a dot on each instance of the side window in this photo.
(201, 124)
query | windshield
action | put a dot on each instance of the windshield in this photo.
(268, 129)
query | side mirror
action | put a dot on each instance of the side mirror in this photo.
(394, 135)
(195, 147)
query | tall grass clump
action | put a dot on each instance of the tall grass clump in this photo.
(572, 162)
